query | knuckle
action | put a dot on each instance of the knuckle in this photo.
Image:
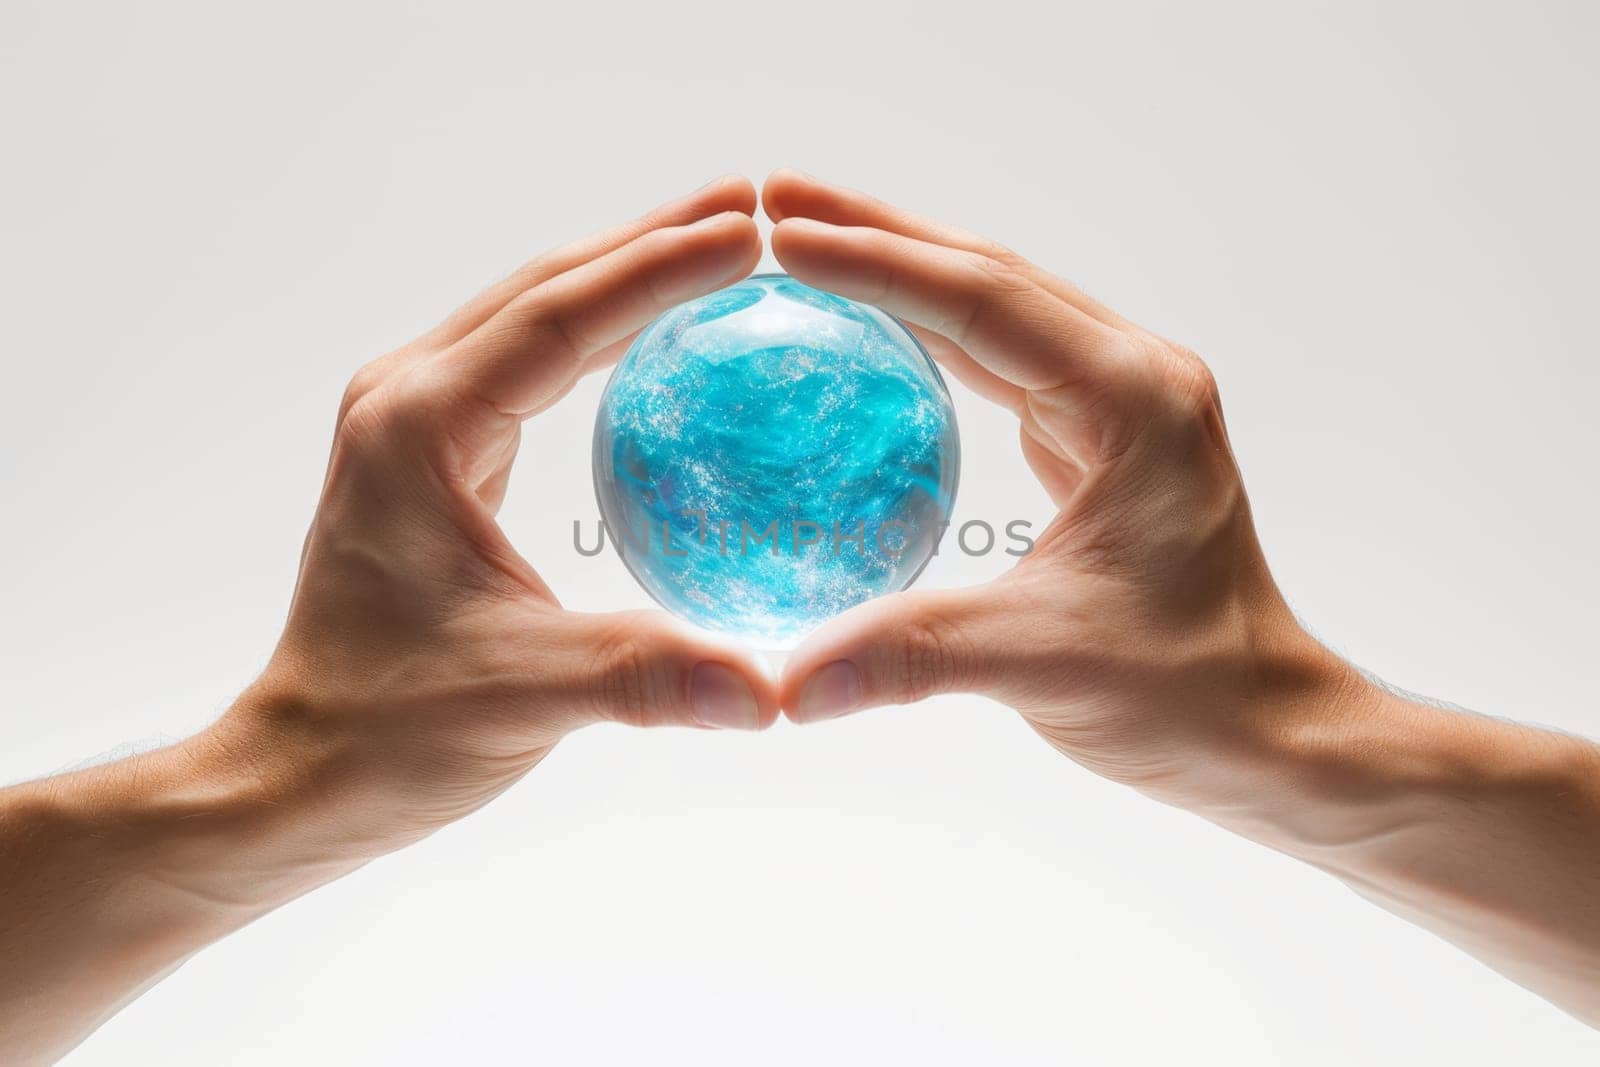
(631, 684)
(395, 412)
(392, 411)
(646, 268)
(1176, 383)
(927, 660)
(378, 391)
(430, 403)
(1005, 257)
(544, 314)
(1003, 274)
(1179, 407)
(992, 285)
(1194, 386)
(361, 422)
(620, 679)
(361, 383)
(421, 388)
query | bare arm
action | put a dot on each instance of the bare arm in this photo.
(111, 877)
(1484, 831)
(1146, 639)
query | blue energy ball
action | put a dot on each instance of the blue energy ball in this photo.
(770, 455)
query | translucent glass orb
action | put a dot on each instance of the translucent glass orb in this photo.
(770, 455)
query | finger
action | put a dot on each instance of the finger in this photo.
(495, 476)
(643, 668)
(1010, 325)
(528, 352)
(968, 371)
(731, 192)
(904, 648)
(606, 357)
(792, 194)
(1059, 474)
(1012, 328)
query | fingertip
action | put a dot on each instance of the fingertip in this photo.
(729, 690)
(763, 681)
(827, 256)
(720, 698)
(816, 685)
(793, 237)
(646, 668)
(729, 192)
(736, 225)
(728, 685)
(730, 220)
(778, 239)
(744, 192)
(709, 254)
(824, 667)
(895, 649)
(778, 189)
(830, 691)
(748, 240)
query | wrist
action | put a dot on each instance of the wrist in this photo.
(114, 874)
(1340, 771)
(288, 801)
(211, 833)
(1226, 730)
(1289, 757)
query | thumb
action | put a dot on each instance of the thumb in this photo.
(901, 649)
(644, 668)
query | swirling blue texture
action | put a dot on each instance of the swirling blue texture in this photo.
(770, 455)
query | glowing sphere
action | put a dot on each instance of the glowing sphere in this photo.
(770, 455)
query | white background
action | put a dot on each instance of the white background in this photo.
(1377, 221)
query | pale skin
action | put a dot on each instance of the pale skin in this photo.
(425, 666)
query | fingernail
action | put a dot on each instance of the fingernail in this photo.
(831, 692)
(722, 699)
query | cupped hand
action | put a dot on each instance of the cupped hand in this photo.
(426, 665)
(1144, 632)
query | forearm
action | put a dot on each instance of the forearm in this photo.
(1483, 831)
(111, 877)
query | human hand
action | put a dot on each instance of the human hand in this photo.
(1144, 636)
(425, 665)
(1144, 633)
